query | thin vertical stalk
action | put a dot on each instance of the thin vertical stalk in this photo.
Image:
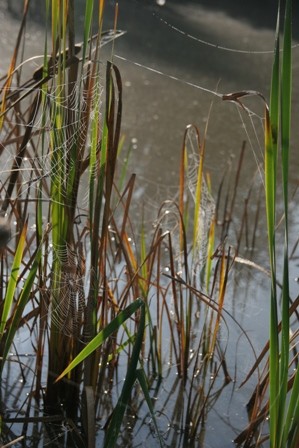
(286, 93)
(271, 142)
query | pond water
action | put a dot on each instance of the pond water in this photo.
(176, 59)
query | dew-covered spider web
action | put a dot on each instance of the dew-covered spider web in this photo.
(67, 311)
(228, 125)
(165, 89)
(52, 115)
(39, 160)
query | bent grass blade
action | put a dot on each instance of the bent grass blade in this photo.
(98, 340)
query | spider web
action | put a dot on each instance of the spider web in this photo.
(250, 118)
(46, 156)
(42, 157)
(38, 166)
(168, 215)
(67, 309)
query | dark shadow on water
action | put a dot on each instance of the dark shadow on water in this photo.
(150, 41)
(260, 14)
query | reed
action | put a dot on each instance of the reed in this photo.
(281, 377)
(283, 413)
(71, 138)
(104, 298)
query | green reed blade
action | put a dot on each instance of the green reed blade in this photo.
(119, 410)
(291, 426)
(286, 93)
(279, 123)
(271, 149)
(142, 379)
(111, 328)
(20, 306)
(13, 280)
(121, 346)
(54, 15)
(95, 132)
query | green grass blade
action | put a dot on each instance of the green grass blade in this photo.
(12, 283)
(275, 97)
(93, 153)
(293, 436)
(291, 425)
(141, 377)
(271, 145)
(22, 302)
(119, 410)
(286, 86)
(286, 93)
(111, 328)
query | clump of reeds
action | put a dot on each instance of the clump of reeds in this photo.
(89, 293)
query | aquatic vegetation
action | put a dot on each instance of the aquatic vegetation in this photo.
(89, 297)
(114, 310)
(281, 376)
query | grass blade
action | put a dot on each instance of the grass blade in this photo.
(20, 306)
(119, 410)
(112, 327)
(12, 283)
(141, 377)
(286, 93)
(271, 142)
